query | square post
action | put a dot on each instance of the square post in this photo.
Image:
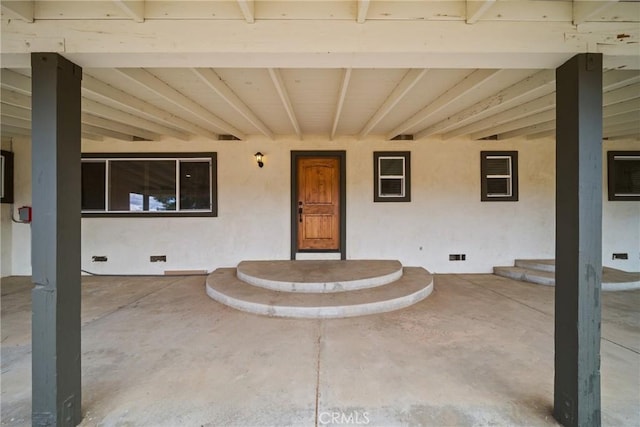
(578, 240)
(55, 240)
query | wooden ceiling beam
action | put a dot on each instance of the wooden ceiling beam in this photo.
(537, 105)
(171, 95)
(410, 79)
(215, 83)
(133, 8)
(101, 110)
(584, 10)
(97, 130)
(286, 101)
(512, 125)
(346, 77)
(540, 81)
(22, 9)
(363, 8)
(533, 129)
(247, 7)
(14, 81)
(119, 127)
(477, 8)
(466, 85)
(136, 106)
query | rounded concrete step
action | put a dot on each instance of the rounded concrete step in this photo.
(224, 286)
(537, 264)
(612, 279)
(319, 276)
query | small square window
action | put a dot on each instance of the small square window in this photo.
(499, 176)
(392, 176)
(623, 170)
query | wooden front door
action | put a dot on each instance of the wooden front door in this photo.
(318, 203)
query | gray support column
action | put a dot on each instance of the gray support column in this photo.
(55, 240)
(578, 240)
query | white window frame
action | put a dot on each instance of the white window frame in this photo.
(511, 177)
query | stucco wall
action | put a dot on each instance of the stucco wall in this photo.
(445, 215)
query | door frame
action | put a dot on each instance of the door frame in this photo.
(342, 157)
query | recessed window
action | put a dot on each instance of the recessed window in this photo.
(147, 185)
(392, 176)
(624, 175)
(499, 176)
(6, 177)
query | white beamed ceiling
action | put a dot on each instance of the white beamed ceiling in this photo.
(278, 68)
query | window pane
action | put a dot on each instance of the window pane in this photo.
(391, 187)
(195, 190)
(627, 176)
(498, 166)
(498, 187)
(92, 193)
(142, 185)
(391, 167)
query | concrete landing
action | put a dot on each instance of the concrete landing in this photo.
(225, 287)
(542, 272)
(319, 276)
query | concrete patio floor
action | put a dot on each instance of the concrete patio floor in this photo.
(158, 352)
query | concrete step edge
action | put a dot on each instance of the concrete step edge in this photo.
(273, 309)
(320, 287)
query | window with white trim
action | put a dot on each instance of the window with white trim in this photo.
(623, 171)
(166, 184)
(392, 176)
(499, 176)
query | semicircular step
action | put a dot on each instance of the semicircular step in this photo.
(319, 276)
(224, 286)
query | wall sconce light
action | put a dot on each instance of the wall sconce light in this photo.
(259, 159)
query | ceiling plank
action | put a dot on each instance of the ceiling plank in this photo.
(511, 125)
(139, 107)
(92, 137)
(17, 82)
(101, 110)
(14, 98)
(133, 8)
(537, 128)
(214, 82)
(341, 97)
(616, 79)
(284, 97)
(611, 80)
(537, 82)
(23, 9)
(248, 10)
(16, 112)
(363, 8)
(410, 79)
(621, 107)
(543, 134)
(118, 127)
(15, 122)
(13, 130)
(621, 130)
(537, 105)
(96, 130)
(470, 82)
(477, 8)
(621, 94)
(584, 10)
(631, 117)
(171, 95)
